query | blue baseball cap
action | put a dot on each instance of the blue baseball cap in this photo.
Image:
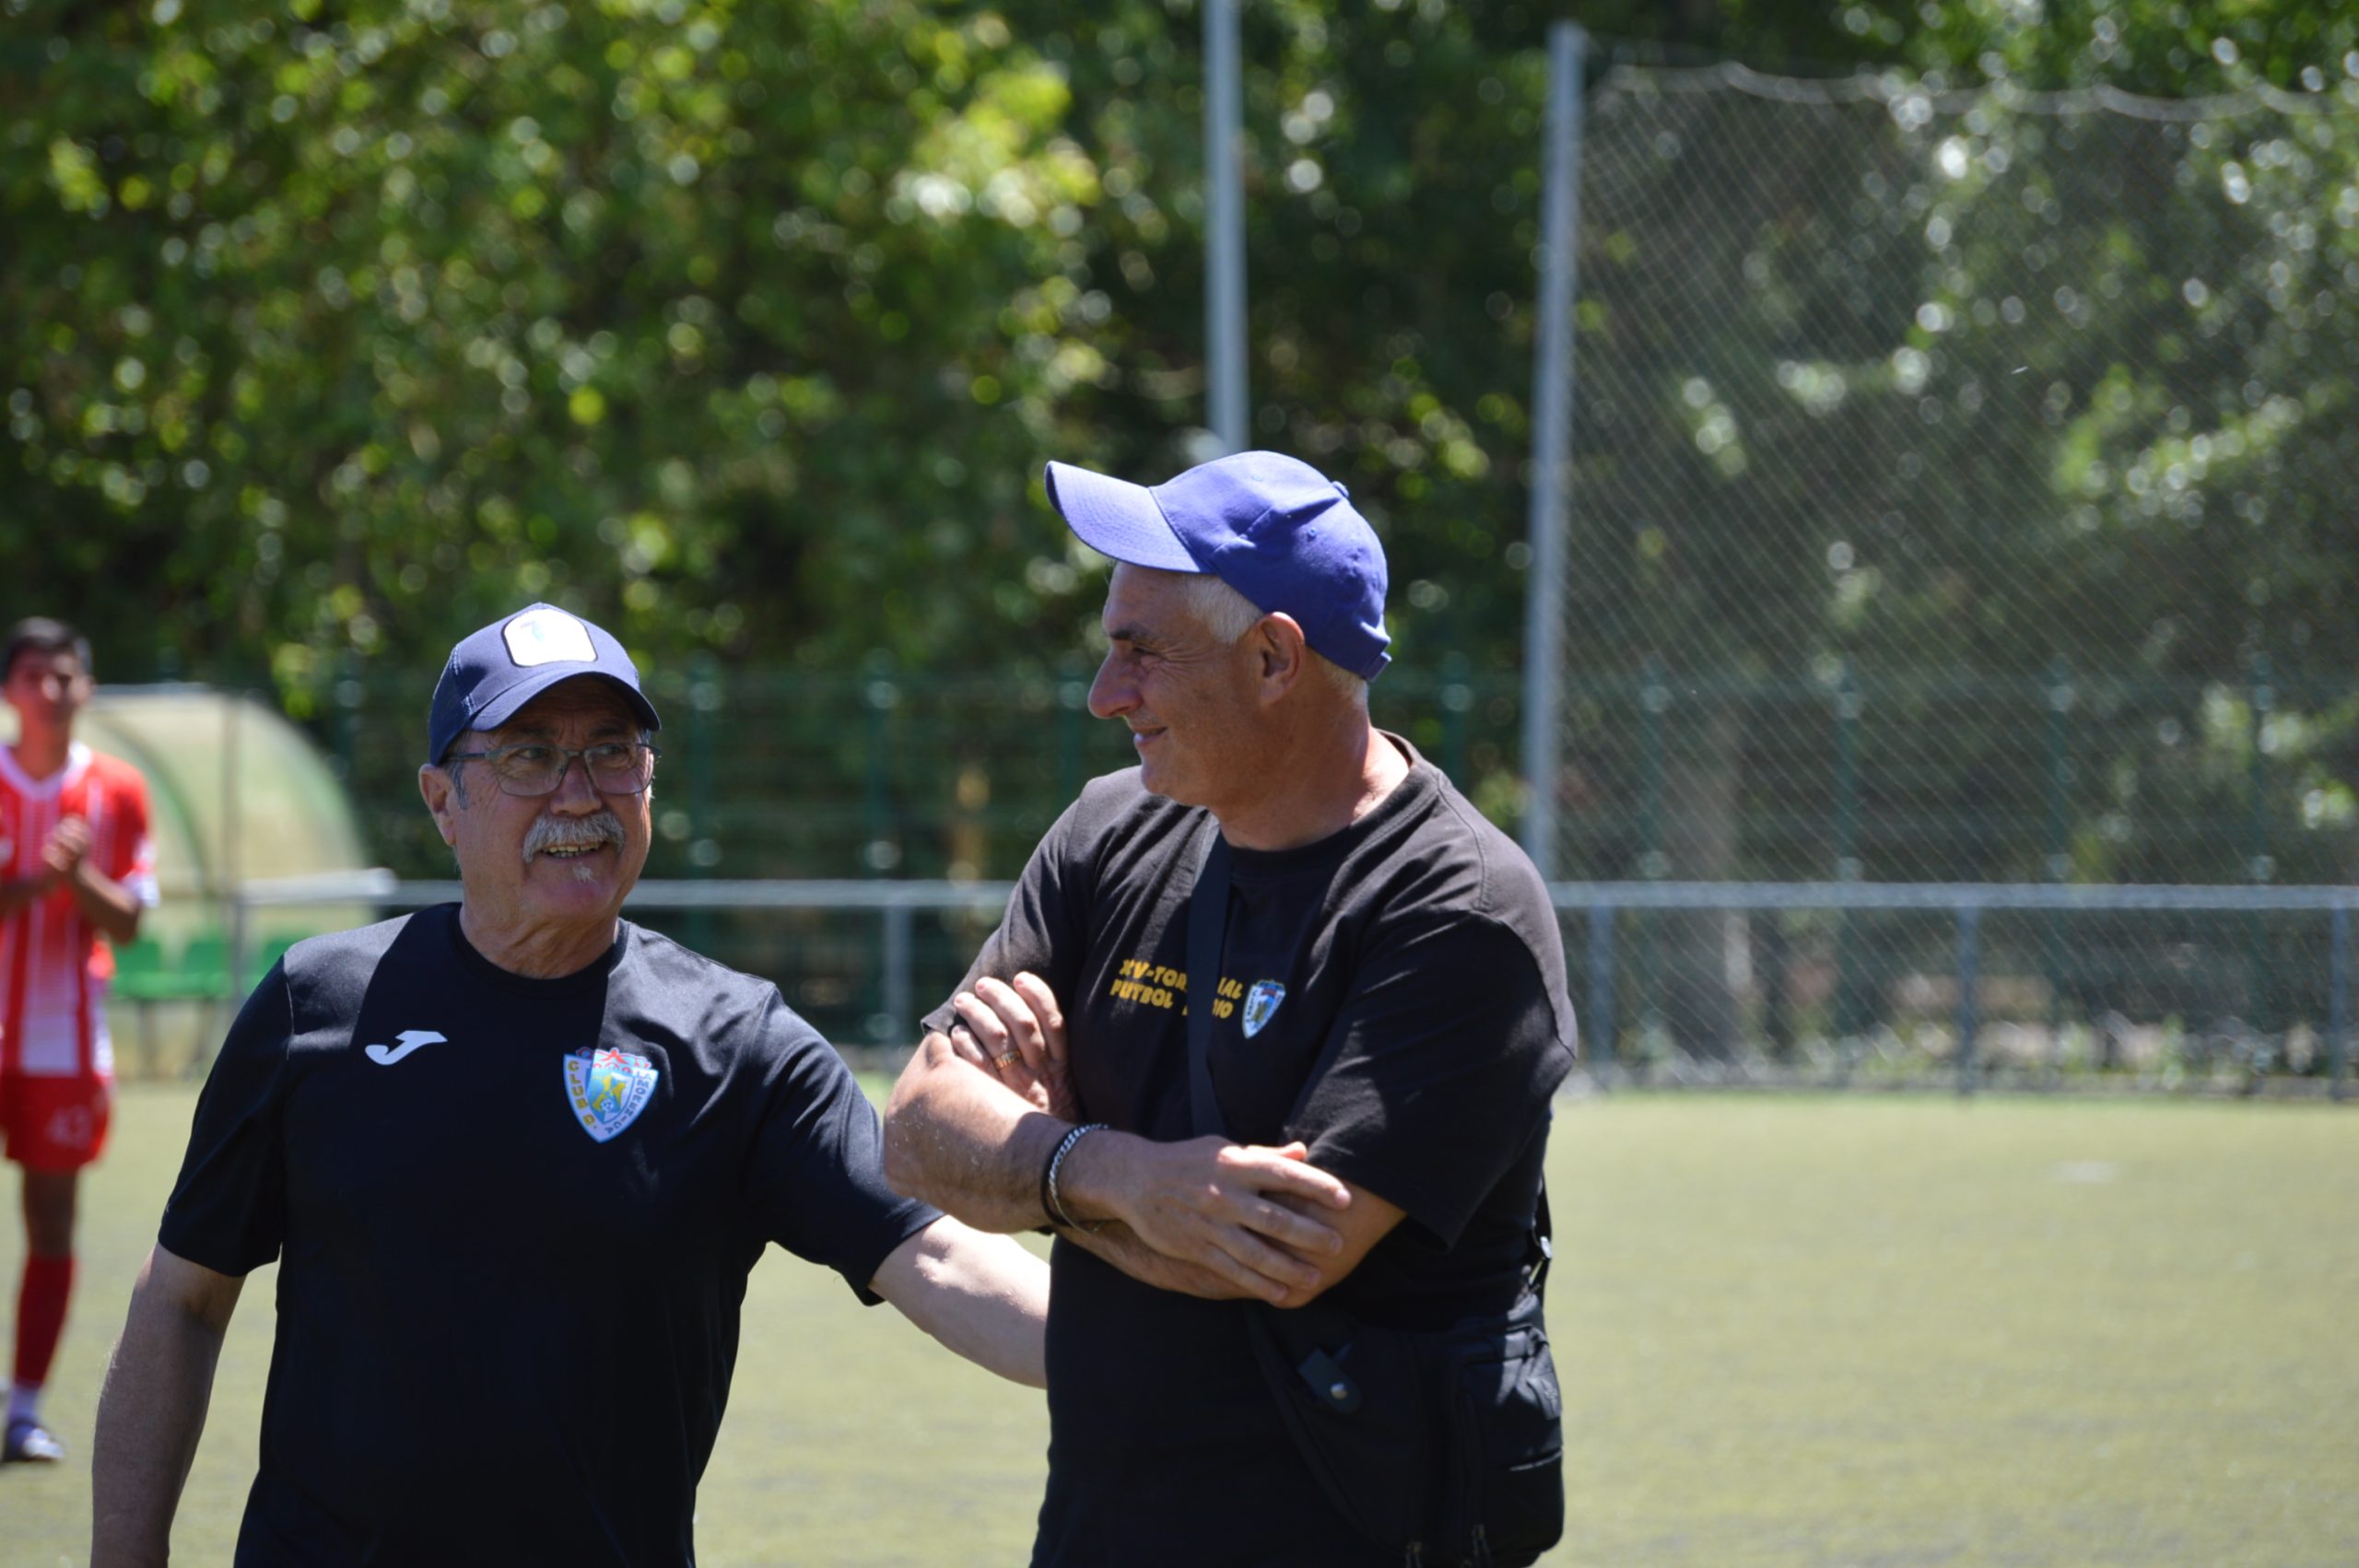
(1271, 527)
(499, 669)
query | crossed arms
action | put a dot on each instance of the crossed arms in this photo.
(1202, 1216)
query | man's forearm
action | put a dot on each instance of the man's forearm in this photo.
(105, 903)
(151, 1412)
(965, 1143)
(984, 1297)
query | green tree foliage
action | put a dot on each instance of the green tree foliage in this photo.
(352, 328)
(340, 329)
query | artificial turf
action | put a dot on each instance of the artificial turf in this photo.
(1792, 1330)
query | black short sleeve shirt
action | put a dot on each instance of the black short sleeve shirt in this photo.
(1393, 995)
(514, 1220)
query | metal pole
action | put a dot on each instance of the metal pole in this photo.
(2260, 1005)
(1552, 415)
(232, 862)
(2338, 1039)
(1224, 226)
(1969, 967)
(893, 1026)
(1852, 1010)
(883, 695)
(2061, 699)
(1599, 1028)
(704, 835)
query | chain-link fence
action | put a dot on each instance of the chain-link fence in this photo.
(1957, 495)
(881, 773)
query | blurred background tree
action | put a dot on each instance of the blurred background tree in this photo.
(345, 326)
(334, 331)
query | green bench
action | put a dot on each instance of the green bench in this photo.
(147, 972)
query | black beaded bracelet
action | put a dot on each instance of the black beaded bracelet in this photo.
(1051, 1203)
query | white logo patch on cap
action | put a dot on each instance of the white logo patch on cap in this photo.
(548, 637)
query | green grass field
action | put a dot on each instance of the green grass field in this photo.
(1792, 1330)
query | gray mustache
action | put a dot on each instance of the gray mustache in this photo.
(572, 833)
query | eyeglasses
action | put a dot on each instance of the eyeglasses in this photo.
(534, 768)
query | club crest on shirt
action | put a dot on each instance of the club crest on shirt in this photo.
(1262, 1004)
(607, 1089)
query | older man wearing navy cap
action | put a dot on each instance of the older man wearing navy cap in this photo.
(1268, 1035)
(515, 1157)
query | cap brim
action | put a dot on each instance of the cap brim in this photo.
(506, 706)
(1116, 517)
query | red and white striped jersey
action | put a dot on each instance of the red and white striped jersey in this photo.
(54, 965)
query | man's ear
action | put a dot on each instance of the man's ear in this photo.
(440, 800)
(1281, 652)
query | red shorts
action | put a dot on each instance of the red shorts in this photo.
(54, 1124)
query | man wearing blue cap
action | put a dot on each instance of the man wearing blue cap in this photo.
(1268, 1035)
(516, 1157)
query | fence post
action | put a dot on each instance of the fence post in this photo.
(2062, 698)
(1226, 410)
(1850, 1000)
(1654, 863)
(2338, 1047)
(233, 867)
(1557, 254)
(880, 695)
(1654, 703)
(890, 1026)
(346, 694)
(2260, 866)
(1600, 985)
(704, 842)
(1969, 965)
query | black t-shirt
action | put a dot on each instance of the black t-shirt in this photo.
(1393, 995)
(515, 1219)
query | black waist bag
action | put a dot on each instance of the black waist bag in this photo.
(1444, 1446)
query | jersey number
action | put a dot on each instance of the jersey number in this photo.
(69, 1126)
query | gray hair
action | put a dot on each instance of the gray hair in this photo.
(1228, 616)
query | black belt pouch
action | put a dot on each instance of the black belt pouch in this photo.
(1446, 1447)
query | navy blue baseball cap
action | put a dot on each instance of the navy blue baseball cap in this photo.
(499, 669)
(1271, 527)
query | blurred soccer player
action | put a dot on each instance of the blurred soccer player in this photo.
(76, 865)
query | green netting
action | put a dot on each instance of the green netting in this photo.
(1959, 486)
(877, 773)
(1958, 496)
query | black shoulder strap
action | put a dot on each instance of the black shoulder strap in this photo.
(1207, 924)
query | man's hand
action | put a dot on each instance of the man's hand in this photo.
(67, 844)
(105, 903)
(1254, 1219)
(1226, 1220)
(1016, 1031)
